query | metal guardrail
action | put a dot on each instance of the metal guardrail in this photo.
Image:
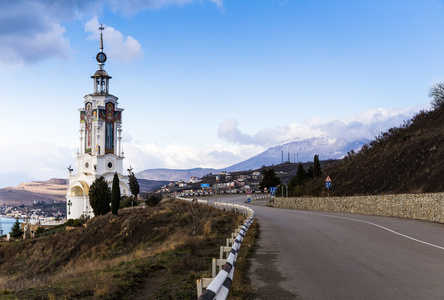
(219, 286)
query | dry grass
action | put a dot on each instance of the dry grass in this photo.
(241, 288)
(115, 255)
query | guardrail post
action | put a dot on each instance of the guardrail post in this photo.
(202, 284)
(219, 285)
(213, 268)
(224, 249)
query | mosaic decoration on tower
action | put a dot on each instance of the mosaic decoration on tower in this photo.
(109, 134)
(87, 119)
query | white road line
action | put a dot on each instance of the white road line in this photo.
(380, 226)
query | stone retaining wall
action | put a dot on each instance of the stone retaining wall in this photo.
(412, 206)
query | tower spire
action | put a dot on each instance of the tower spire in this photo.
(101, 28)
(101, 78)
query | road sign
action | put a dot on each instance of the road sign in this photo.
(205, 185)
(249, 200)
(248, 192)
(273, 191)
(328, 182)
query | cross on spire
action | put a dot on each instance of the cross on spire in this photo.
(101, 28)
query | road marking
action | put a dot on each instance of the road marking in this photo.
(380, 226)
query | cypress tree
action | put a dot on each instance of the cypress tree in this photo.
(133, 184)
(115, 195)
(301, 175)
(310, 172)
(269, 179)
(15, 229)
(100, 196)
(316, 167)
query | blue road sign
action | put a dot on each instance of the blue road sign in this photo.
(328, 184)
(249, 200)
(273, 191)
(205, 185)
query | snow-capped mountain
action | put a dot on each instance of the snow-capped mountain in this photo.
(299, 150)
(295, 150)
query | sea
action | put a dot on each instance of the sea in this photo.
(6, 224)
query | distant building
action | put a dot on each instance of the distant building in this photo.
(194, 179)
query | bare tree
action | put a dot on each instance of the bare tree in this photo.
(436, 92)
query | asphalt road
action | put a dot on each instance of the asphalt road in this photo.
(320, 255)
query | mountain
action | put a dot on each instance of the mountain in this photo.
(54, 190)
(299, 150)
(28, 192)
(172, 174)
(149, 186)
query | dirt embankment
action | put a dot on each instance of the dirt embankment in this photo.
(162, 250)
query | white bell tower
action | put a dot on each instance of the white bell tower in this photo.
(100, 152)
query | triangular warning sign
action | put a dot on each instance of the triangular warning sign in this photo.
(328, 179)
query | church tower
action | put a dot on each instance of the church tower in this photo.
(100, 152)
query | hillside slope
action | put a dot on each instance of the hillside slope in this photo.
(143, 253)
(54, 190)
(28, 192)
(406, 159)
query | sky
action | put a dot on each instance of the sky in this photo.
(210, 83)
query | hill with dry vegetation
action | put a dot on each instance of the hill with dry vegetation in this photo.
(28, 192)
(405, 159)
(54, 190)
(142, 253)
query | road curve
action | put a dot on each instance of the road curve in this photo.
(321, 255)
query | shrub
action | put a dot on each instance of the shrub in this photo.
(73, 223)
(153, 200)
(39, 231)
(128, 202)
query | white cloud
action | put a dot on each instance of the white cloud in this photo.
(27, 37)
(228, 130)
(359, 126)
(150, 156)
(33, 31)
(116, 45)
(219, 3)
(37, 160)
